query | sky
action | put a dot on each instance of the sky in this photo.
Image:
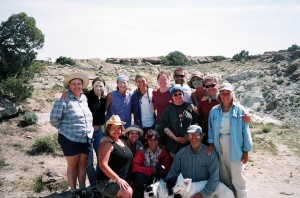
(83, 29)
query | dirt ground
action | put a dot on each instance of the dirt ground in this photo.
(276, 176)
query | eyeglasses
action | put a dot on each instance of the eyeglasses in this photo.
(179, 76)
(177, 94)
(153, 140)
(210, 86)
(225, 93)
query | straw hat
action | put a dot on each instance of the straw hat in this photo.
(194, 74)
(70, 77)
(116, 120)
(133, 128)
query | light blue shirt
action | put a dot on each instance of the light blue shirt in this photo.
(239, 130)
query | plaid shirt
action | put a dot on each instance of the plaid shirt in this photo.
(73, 118)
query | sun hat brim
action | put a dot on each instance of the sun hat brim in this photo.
(83, 77)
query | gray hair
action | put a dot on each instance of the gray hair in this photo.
(214, 76)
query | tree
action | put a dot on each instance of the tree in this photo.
(293, 48)
(175, 58)
(19, 40)
(242, 55)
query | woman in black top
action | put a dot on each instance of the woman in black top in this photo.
(114, 161)
(96, 102)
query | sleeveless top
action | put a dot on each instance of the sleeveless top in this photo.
(120, 105)
(119, 161)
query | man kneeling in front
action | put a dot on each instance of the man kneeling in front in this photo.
(193, 162)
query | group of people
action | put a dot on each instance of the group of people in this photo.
(197, 129)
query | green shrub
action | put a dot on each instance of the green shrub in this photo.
(38, 184)
(242, 55)
(279, 81)
(2, 162)
(218, 58)
(266, 129)
(16, 89)
(65, 60)
(293, 48)
(30, 118)
(46, 144)
(175, 58)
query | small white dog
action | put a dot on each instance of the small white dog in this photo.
(158, 189)
(186, 188)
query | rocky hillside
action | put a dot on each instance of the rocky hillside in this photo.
(267, 84)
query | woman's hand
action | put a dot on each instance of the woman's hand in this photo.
(209, 149)
(246, 118)
(245, 157)
(122, 183)
(65, 96)
(181, 140)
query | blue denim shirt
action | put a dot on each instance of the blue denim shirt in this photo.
(239, 131)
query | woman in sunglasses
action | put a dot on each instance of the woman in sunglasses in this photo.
(151, 162)
(211, 83)
(175, 120)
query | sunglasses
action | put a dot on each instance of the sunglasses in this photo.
(177, 94)
(179, 76)
(210, 86)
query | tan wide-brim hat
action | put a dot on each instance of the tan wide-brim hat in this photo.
(133, 128)
(195, 74)
(116, 120)
(70, 77)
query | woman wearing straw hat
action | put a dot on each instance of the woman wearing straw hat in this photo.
(132, 134)
(114, 159)
(196, 83)
(74, 122)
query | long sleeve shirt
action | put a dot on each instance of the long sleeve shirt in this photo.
(198, 166)
(239, 131)
(73, 118)
(141, 163)
(177, 118)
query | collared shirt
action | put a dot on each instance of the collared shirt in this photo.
(198, 166)
(73, 118)
(239, 131)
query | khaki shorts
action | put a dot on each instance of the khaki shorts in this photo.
(108, 188)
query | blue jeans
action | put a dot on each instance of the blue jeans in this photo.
(90, 170)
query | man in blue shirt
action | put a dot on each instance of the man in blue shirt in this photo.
(193, 162)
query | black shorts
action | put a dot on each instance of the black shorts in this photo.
(71, 148)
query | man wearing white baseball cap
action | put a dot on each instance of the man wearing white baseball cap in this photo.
(200, 166)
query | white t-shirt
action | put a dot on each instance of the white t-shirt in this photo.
(147, 109)
(225, 124)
